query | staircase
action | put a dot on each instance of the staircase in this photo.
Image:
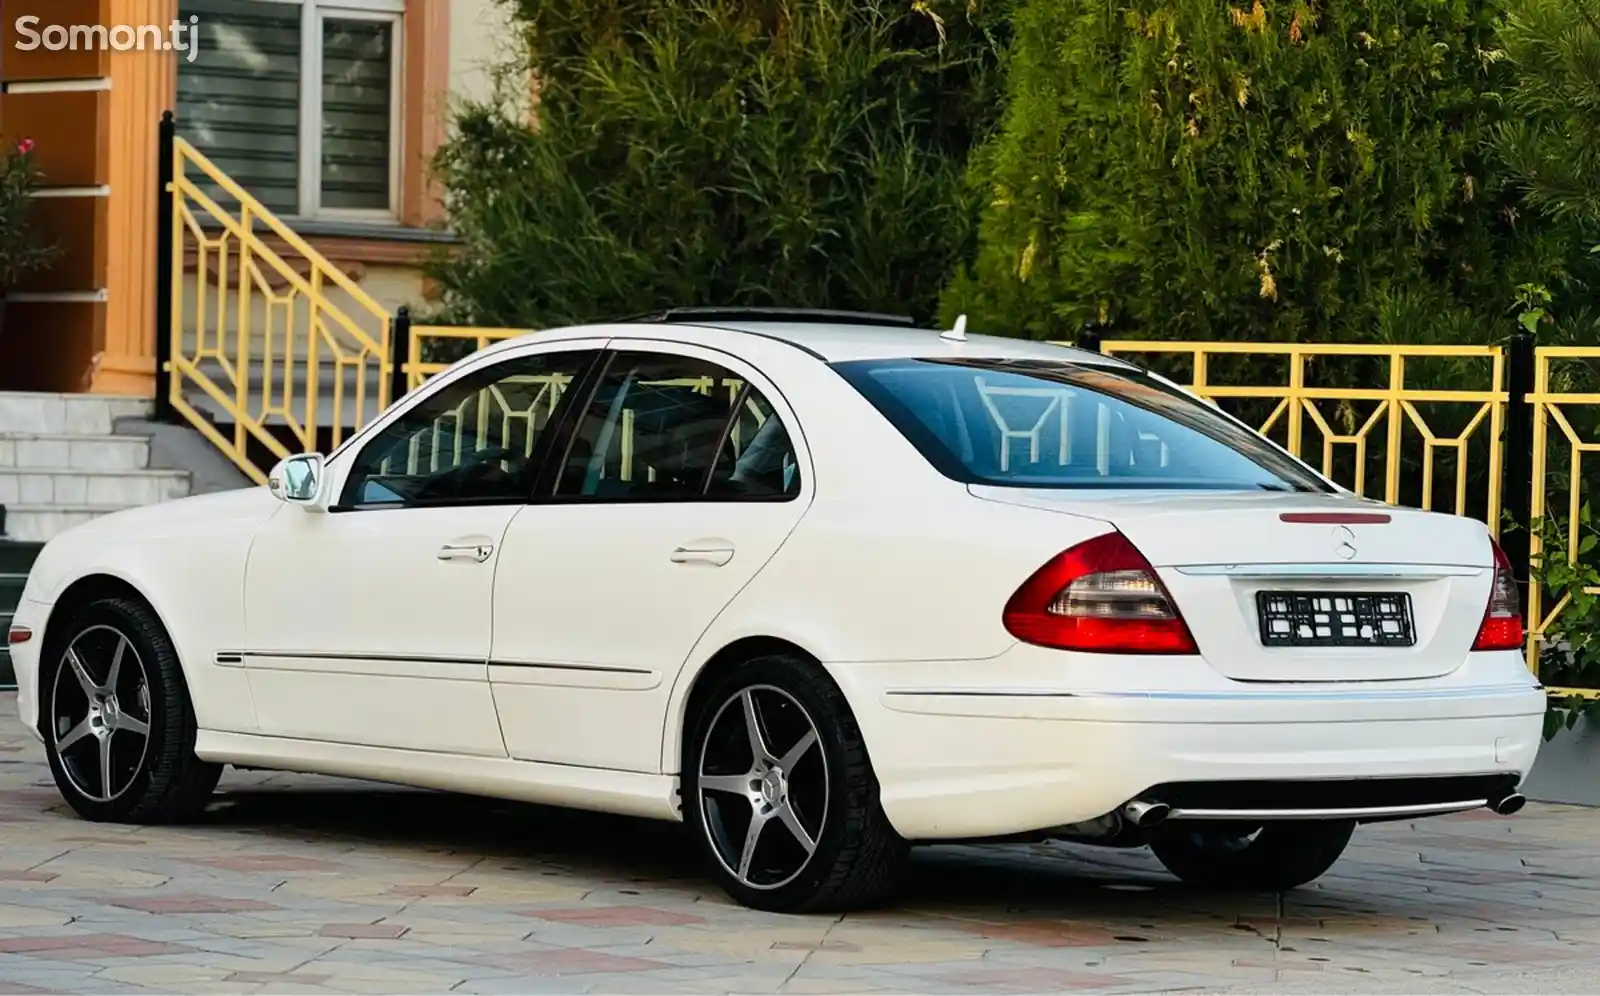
(274, 349)
(15, 559)
(64, 462)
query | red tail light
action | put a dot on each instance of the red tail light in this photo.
(1101, 596)
(1502, 620)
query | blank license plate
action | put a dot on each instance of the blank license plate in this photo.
(1319, 619)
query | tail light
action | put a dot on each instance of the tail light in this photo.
(1502, 620)
(1101, 596)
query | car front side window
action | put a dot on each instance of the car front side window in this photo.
(475, 440)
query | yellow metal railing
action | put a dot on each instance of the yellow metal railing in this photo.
(1334, 417)
(419, 370)
(1552, 405)
(260, 321)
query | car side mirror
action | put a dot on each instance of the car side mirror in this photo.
(299, 480)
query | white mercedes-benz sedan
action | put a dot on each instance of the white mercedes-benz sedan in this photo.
(821, 587)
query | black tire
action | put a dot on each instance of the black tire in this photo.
(165, 782)
(1280, 856)
(858, 856)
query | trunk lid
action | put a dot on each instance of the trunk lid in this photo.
(1217, 551)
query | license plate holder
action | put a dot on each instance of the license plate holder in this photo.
(1335, 619)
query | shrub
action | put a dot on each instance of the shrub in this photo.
(22, 249)
(805, 153)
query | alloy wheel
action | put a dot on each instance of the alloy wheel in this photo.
(763, 785)
(100, 713)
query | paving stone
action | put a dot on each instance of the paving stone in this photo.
(295, 884)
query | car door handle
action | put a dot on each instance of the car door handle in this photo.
(716, 556)
(477, 552)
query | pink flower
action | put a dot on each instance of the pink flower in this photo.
(26, 146)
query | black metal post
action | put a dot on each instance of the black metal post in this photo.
(1091, 337)
(164, 411)
(1516, 482)
(400, 355)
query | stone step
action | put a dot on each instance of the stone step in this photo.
(42, 523)
(66, 414)
(27, 451)
(74, 486)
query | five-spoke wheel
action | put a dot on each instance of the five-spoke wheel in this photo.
(763, 805)
(118, 725)
(779, 786)
(100, 713)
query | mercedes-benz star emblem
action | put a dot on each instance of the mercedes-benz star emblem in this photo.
(1344, 542)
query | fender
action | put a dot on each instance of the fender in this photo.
(794, 628)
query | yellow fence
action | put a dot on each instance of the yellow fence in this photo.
(1557, 405)
(427, 339)
(1313, 420)
(266, 334)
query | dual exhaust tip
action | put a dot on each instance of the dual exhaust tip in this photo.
(1146, 815)
(1506, 805)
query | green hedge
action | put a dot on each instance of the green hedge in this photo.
(1198, 169)
(806, 153)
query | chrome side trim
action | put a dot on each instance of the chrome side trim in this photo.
(1333, 572)
(312, 655)
(591, 668)
(1368, 694)
(1360, 813)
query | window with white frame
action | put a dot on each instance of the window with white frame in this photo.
(299, 101)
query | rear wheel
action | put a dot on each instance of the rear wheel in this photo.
(1270, 858)
(780, 792)
(118, 726)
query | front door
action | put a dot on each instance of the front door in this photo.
(680, 483)
(371, 623)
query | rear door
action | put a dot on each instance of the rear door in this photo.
(684, 475)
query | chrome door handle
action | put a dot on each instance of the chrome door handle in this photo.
(715, 556)
(477, 552)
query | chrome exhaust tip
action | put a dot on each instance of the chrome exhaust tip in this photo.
(1510, 804)
(1145, 815)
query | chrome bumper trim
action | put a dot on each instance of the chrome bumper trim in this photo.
(1362, 813)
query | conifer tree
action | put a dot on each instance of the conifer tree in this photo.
(1251, 169)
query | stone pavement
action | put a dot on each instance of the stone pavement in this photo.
(308, 885)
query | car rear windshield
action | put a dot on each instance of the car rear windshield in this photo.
(1043, 424)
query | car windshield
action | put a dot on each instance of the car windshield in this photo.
(1045, 424)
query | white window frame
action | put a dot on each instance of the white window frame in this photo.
(312, 15)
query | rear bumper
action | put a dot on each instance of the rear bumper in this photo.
(1036, 739)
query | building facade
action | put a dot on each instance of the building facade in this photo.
(326, 111)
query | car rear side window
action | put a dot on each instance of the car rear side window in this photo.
(1044, 424)
(662, 427)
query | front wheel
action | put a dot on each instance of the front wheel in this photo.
(118, 726)
(1274, 857)
(779, 790)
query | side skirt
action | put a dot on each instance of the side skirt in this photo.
(625, 793)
